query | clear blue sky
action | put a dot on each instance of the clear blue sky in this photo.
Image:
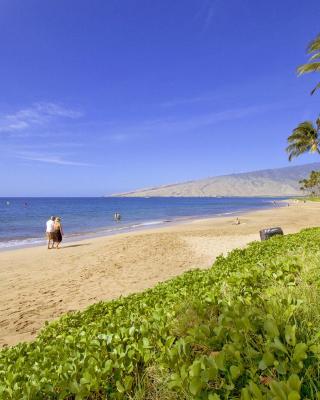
(103, 96)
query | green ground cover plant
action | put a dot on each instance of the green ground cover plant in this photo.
(247, 328)
(309, 198)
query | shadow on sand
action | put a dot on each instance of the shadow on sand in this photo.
(75, 245)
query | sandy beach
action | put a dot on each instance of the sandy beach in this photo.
(38, 285)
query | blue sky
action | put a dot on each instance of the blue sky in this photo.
(98, 97)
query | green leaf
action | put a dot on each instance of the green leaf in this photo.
(290, 334)
(146, 343)
(245, 394)
(86, 379)
(213, 396)
(300, 352)
(235, 372)
(219, 359)
(315, 349)
(267, 360)
(278, 345)
(282, 367)
(294, 396)
(108, 366)
(255, 391)
(120, 387)
(195, 369)
(278, 390)
(195, 386)
(271, 328)
(175, 381)
(74, 386)
(294, 382)
(128, 380)
(183, 372)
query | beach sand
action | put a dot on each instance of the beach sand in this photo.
(39, 285)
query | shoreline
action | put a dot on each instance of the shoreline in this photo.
(136, 227)
(38, 285)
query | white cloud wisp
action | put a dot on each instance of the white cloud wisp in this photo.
(57, 159)
(38, 114)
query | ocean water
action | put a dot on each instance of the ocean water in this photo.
(22, 220)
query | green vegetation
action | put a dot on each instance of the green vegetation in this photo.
(314, 62)
(248, 327)
(305, 137)
(307, 198)
(311, 185)
(316, 199)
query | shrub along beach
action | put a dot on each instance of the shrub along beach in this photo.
(248, 327)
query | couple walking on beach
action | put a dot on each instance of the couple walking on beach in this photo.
(54, 232)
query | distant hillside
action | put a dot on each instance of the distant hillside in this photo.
(269, 182)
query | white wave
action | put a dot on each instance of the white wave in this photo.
(148, 223)
(21, 243)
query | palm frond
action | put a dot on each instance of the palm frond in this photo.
(315, 56)
(309, 67)
(305, 129)
(314, 64)
(315, 88)
(314, 45)
(304, 138)
(294, 153)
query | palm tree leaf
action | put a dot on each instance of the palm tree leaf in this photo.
(304, 129)
(304, 138)
(314, 45)
(309, 67)
(313, 65)
(315, 56)
(315, 88)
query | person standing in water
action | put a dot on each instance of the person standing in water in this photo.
(117, 216)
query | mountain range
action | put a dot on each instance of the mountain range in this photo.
(269, 182)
